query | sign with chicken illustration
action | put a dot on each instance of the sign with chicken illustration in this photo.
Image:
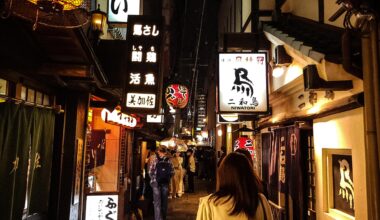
(343, 183)
(243, 83)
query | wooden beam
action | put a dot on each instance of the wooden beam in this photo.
(66, 70)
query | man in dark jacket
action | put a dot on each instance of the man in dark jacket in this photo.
(160, 172)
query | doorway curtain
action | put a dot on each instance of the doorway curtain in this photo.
(26, 146)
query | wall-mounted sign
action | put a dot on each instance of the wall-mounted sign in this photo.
(154, 118)
(118, 10)
(143, 83)
(116, 117)
(99, 207)
(243, 83)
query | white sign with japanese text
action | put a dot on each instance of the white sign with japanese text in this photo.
(243, 83)
(141, 100)
(154, 118)
(118, 10)
(99, 207)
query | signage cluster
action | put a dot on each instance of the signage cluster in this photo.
(143, 81)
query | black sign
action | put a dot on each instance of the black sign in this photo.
(143, 81)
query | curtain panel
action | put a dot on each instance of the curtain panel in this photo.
(26, 145)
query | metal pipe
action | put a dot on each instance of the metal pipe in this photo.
(370, 120)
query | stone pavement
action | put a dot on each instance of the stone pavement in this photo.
(185, 208)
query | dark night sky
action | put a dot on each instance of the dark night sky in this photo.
(186, 24)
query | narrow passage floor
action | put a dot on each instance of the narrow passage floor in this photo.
(185, 208)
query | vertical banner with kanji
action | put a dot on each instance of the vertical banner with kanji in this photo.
(143, 81)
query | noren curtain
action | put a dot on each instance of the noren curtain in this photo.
(26, 138)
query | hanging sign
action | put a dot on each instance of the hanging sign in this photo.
(243, 83)
(116, 117)
(99, 207)
(143, 82)
(118, 10)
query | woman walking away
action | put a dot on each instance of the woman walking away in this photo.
(238, 195)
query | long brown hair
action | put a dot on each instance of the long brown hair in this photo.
(237, 181)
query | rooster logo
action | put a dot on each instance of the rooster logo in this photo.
(346, 185)
(242, 84)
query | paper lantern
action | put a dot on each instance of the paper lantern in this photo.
(244, 142)
(177, 96)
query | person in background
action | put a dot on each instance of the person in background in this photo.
(181, 187)
(177, 174)
(160, 172)
(191, 170)
(238, 193)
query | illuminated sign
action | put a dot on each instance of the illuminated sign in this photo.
(243, 83)
(143, 83)
(99, 207)
(116, 117)
(139, 100)
(154, 118)
(118, 10)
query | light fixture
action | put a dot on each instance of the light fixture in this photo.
(229, 129)
(57, 5)
(278, 71)
(220, 132)
(98, 19)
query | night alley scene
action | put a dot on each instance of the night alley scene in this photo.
(189, 110)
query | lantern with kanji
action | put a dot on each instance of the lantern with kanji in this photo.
(244, 142)
(177, 96)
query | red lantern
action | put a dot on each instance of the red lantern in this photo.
(177, 95)
(244, 142)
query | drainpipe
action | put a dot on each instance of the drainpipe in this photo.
(371, 82)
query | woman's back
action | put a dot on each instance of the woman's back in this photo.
(210, 210)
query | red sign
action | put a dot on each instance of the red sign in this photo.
(244, 142)
(177, 96)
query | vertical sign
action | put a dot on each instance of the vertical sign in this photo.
(201, 105)
(143, 83)
(243, 83)
(118, 10)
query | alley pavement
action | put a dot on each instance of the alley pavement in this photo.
(185, 208)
